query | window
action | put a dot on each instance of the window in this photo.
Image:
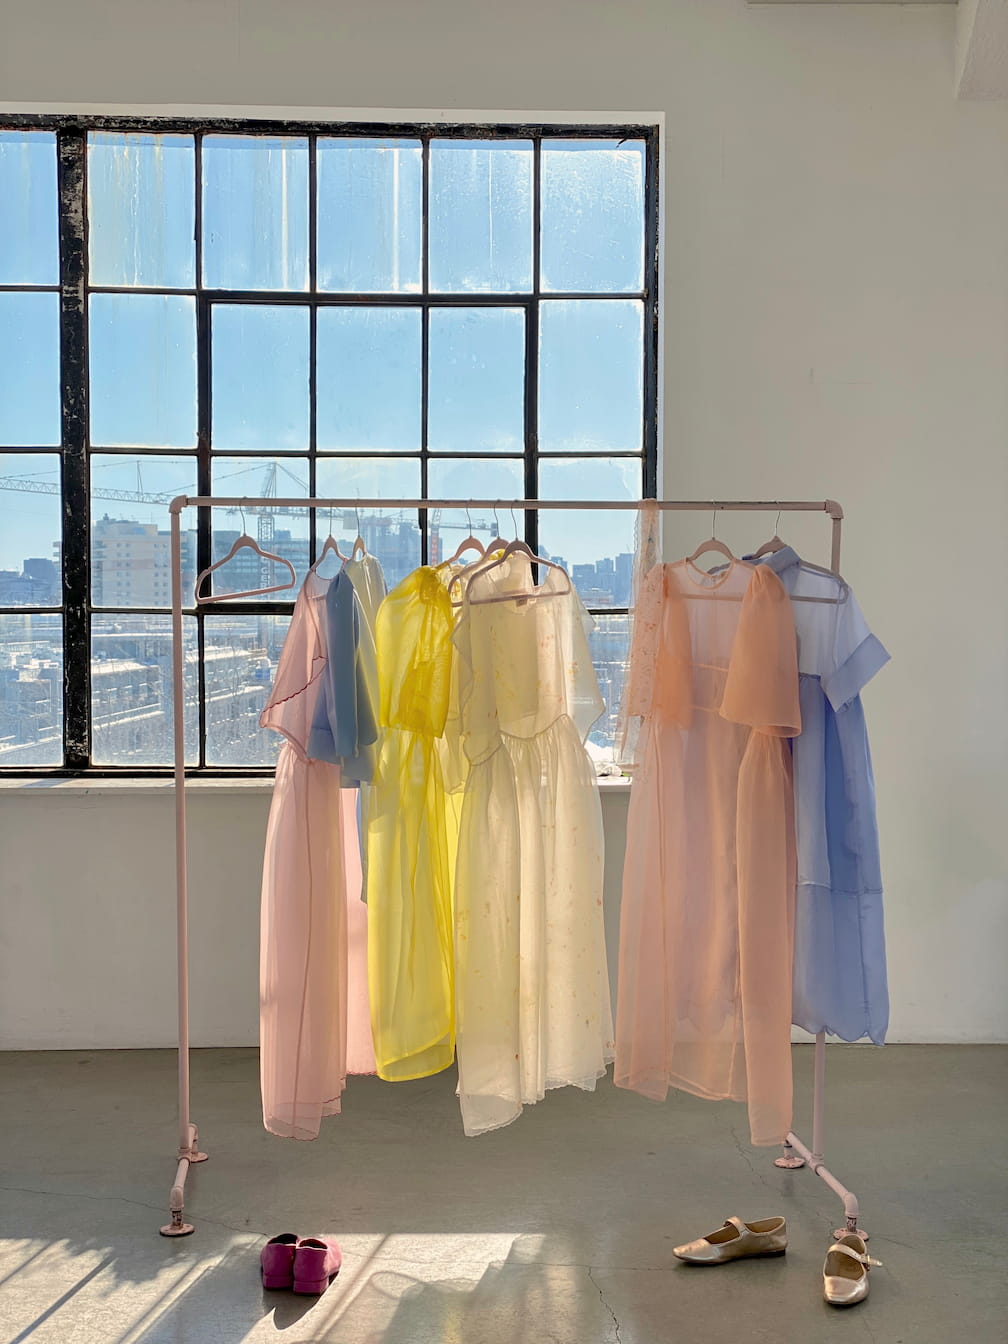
(288, 309)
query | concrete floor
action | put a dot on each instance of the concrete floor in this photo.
(557, 1230)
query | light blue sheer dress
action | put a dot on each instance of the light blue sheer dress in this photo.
(840, 984)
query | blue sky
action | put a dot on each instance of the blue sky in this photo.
(142, 345)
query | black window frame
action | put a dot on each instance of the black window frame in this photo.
(71, 133)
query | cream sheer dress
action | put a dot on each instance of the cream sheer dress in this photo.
(311, 1032)
(532, 992)
(707, 916)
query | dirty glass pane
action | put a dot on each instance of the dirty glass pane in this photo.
(369, 379)
(390, 534)
(477, 380)
(472, 478)
(369, 211)
(481, 216)
(240, 655)
(30, 530)
(29, 369)
(281, 530)
(141, 210)
(131, 689)
(143, 370)
(131, 538)
(592, 215)
(29, 222)
(260, 377)
(31, 690)
(591, 375)
(595, 547)
(255, 212)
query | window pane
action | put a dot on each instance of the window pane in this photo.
(241, 654)
(143, 370)
(29, 369)
(369, 206)
(392, 535)
(31, 690)
(255, 212)
(596, 547)
(131, 539)
(282, 531)
(131, 689)
(260, 377)
(141, 210)
(481, 216)
(477, 478)
(592, 215)
(591, 376)
(30, 530)
(609, 643)
(29, 227)
(477, 380)
(369, 379)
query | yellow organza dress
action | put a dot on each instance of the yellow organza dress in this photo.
(410, 855)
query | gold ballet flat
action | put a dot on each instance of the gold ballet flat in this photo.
(845, 1271)
(736, 1240)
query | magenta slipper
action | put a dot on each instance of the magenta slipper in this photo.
(317, 1261)
(276, 1262)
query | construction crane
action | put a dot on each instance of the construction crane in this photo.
(267, 514)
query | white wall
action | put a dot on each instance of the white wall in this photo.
(836, 324)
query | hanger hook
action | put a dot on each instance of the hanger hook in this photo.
(777, 523)
(330, 519)
(496, 521)
(713, 522)
(244, 525)
(469, 521)
(357, 514)
(514, 521)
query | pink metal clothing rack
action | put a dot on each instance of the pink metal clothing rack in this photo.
(796, 1153)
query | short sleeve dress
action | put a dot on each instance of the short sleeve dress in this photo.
(311, 837)
(411, 979)
(840, 980)
(532, 986)
(707, 916)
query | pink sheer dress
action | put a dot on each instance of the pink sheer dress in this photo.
(313, 923)
(707, 916)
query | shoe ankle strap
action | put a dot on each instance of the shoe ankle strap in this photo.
(865, 1260)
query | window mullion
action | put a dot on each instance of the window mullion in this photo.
(71, 150)
(532, 360)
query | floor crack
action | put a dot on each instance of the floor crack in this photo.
(602, 1298)
(748, 1160)
(122, 1199)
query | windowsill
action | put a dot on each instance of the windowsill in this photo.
(220, 787)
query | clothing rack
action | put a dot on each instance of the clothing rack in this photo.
(796, 1153)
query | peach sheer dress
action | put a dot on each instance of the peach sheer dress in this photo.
(707, 916)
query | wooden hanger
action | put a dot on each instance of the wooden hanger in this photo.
(360, 545)
(711, 544)
(516, 548)
(330, 544)
(243, 542)
(773, 545)
(469, 543)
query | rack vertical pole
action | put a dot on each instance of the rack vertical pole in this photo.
(188, 1151)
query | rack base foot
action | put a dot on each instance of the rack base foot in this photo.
(790, 1161)
(839, 1232)
(177, 1228)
